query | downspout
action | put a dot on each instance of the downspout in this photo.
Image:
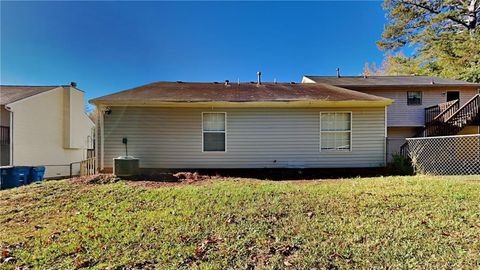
(95, 138)
(98, 135)
(386, 137)
(102, 134)
(10, 135)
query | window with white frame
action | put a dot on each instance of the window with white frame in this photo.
(214, 132)
(335, 131)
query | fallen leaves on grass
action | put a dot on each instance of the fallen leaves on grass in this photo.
(6, 256)
(205, 244)
(189, 177)
(230, 219)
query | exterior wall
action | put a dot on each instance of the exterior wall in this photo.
(402, 115)
(256, 138)
(470, 130)
(38, 132)
(75, 120)
(396, 137)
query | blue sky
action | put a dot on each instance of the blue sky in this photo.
(110, 46)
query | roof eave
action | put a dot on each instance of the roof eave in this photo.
(411, 86)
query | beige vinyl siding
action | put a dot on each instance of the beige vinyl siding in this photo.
(256, 138)
(397, 136)
(400, 114)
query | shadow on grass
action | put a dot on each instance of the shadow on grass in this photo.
(268, 174)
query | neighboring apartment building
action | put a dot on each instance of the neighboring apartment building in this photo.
(44, 125)
(422, 105)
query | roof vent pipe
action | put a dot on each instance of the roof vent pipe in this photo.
(259, 78)
(338, 72)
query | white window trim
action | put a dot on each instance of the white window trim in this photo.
(203, 148)
(351, 134)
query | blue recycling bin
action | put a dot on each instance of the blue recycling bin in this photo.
(14, 176)
(37, 173)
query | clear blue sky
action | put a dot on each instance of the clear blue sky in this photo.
(110, 46)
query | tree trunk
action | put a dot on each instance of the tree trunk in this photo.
(472, 18)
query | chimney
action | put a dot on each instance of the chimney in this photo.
(73, 84)
(259, 78)
(338, 72)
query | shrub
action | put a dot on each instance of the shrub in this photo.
(400, 165)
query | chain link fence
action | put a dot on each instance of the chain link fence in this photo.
(446, 155)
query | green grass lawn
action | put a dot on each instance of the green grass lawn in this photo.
(392, 222)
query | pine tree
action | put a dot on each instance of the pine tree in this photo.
(445, 36)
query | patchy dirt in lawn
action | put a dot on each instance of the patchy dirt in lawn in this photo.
(180, 178)
(159, 184)
(97, 179)
(159, 180)
(156, 181)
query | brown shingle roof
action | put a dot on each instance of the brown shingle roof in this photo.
(12, 93)
(243, 92)
(378, 81)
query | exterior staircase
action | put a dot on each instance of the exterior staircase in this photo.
(448, 119)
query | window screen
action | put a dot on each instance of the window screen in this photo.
(414, 98)
(335, 131)
(214, 132)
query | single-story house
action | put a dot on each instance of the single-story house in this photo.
(179, 125)
(44, 125)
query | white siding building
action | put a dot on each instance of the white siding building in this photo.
(220, 126)
(46, 126)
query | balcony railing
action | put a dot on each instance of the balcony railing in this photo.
(4, 135)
